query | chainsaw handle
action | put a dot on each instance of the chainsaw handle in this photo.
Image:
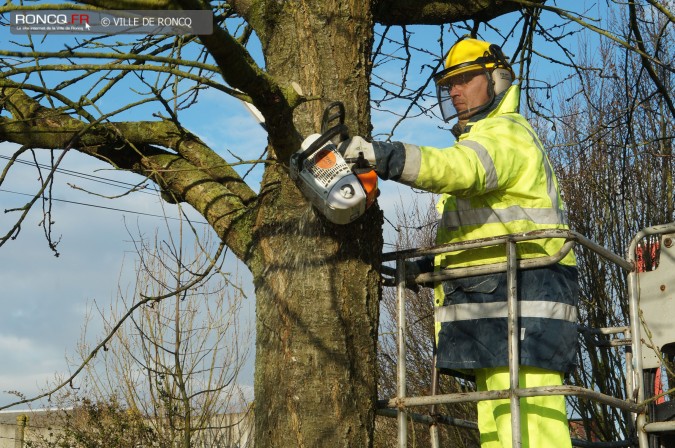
(325, 137)
(334, 111)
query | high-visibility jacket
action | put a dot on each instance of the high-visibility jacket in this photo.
(495, 180)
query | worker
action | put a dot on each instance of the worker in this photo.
(495, 180)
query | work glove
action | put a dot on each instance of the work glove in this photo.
(413, 268)
(358, 150)
(391, 160)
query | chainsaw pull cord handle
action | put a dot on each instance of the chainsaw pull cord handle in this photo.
(334, 111)
(360, 164)
(339, 129)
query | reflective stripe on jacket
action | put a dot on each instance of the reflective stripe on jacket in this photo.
(472, 323)
(495, 180)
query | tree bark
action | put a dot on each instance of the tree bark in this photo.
(317, 284)
(437, 12)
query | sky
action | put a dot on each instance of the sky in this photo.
(45, 299)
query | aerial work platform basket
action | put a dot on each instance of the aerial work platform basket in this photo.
(649, 335)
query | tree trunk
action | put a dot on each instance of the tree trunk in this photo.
(317, 313)
(317, 284)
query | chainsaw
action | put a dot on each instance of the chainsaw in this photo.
(341, 189)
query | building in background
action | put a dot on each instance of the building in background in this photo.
(19, 428)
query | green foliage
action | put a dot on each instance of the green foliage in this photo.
(103, 424)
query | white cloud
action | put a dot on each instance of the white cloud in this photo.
(44, 298)
(28, 384)
(14, 343)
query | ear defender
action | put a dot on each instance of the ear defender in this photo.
(501, 79)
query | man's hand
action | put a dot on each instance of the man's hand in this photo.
(391, 160)
(351, 148)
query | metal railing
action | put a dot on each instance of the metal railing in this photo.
(399, 405)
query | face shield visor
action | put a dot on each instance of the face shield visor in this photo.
(470, 94)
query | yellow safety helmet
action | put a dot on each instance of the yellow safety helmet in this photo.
(471, 57)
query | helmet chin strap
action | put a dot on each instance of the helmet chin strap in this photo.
(458, 127)
(495, 88)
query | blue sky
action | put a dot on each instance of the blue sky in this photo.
(45, 299)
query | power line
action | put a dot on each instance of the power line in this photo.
(100, 206)
(91, 177)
